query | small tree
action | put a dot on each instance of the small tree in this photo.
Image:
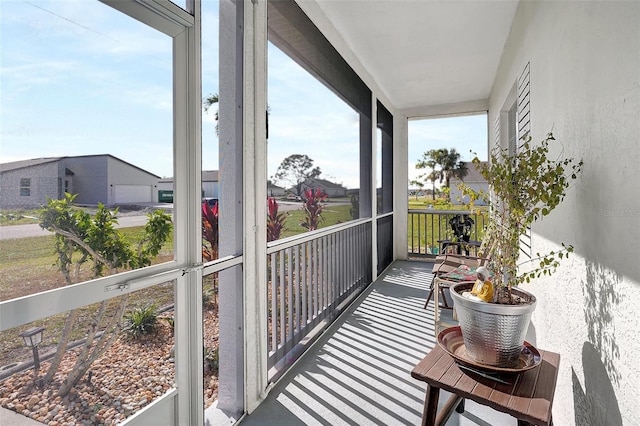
(525, 187)
(79, 239)
(295, 170)
(313, 206)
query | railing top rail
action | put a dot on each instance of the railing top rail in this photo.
(295, 240)
(435, 211)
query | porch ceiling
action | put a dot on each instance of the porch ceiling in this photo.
(425, 53)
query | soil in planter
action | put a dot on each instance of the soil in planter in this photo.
(504, 299)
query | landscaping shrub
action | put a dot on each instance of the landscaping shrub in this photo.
(141, 320)
(275, 220)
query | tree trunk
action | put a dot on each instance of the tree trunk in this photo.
(62, 346)
(87, 357)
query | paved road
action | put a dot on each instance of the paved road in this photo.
(34, 230)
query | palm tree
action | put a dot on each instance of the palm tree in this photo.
(210, 101)
(444, 164)
(452, 166)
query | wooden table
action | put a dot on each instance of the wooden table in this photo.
(528, 397)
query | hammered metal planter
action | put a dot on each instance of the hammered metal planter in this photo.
(493, 334)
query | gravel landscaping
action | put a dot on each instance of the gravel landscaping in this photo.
(130, 375)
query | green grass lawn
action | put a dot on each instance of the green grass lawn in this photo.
(333, 214)
(27, 265)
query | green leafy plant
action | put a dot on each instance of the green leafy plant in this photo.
(141, 320)
(525, 187)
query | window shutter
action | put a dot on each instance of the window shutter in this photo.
(524, 127)
(524, 117)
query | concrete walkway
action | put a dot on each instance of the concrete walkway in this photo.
(11, 418)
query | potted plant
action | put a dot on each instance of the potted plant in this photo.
(524, 187)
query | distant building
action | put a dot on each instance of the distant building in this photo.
(473, 179)
(95, 178)
(330, 188)
(275, 190)
(209, 186)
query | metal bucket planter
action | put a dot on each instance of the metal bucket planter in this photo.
(493, 334)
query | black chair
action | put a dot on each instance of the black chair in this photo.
(461, 225)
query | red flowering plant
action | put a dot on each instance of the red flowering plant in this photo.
(313, 206)
(209, 231)
(275, 220)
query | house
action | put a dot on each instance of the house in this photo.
(95, 178)
(530, 66)
(209, 186)
(274, 190)
(330, 188)
(474, 180)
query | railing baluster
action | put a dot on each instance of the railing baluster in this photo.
(305, 284)
(325, 266)
(274, 304)
(298, 287)
(289, 309)
(332, 269)
(309, 282)
(283, 313)
(316, 302)
(323, 270)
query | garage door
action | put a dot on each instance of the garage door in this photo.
(132, 194)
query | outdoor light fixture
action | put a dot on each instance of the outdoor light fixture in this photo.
(32, 338)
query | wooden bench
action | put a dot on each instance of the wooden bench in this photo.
(528, 397)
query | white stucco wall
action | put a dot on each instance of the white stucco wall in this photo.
(585, 87)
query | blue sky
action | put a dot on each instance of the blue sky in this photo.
(79, 78)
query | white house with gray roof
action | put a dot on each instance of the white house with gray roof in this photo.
(473, 180)
(95, 178)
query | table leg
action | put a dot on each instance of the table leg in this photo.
(452, 403)
(436, 305)
(430, 406)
